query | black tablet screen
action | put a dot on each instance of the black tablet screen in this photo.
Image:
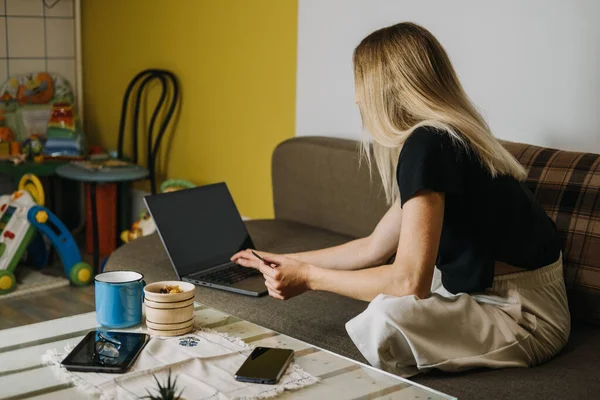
(106, 351)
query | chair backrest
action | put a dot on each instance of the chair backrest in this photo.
(168, 98)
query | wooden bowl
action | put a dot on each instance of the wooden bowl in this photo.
(169, 314)
(177, 304)
(170, 327)
(151, 292)
(176, 332)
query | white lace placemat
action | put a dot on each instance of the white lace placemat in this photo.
(204, 363)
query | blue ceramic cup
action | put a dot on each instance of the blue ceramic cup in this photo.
(119, 297)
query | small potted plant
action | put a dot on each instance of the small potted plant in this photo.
(168, 391)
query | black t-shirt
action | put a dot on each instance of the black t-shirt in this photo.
(486, 219)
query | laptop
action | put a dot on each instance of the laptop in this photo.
(201, 229)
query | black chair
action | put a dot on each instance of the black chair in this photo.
(167, 102)
(170, 88)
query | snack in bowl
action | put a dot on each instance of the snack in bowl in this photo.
(169, 307)
(170, 289)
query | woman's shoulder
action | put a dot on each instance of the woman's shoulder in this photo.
(430, 160)
(429, 140)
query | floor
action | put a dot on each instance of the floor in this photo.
(51, 304)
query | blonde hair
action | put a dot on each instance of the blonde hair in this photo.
(405, 80)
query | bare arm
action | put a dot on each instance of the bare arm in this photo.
(374, 249)
(412, 271)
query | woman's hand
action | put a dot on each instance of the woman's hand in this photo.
(284, 277)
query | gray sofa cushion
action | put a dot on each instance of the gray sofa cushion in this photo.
(318, 181)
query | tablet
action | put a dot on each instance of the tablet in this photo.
(106, 351)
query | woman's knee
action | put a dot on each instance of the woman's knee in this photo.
(377, 331)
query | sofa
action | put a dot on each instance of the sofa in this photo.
(323, 197)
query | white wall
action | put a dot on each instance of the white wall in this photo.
(531, 66)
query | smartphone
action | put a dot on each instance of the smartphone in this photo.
(265, 365)
(106, 351)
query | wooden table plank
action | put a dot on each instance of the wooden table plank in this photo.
(243, 329)
(43, 332)
(210, 317)
(350, 385)
(31, 356)
(321, 363)
(70, 393)
(282, 341)
(28, 381)
(412, 393)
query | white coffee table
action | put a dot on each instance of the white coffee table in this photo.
(23, 376)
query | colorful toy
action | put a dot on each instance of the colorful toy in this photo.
(64, 147)
(33, 146)
(62, 121)
(64, 138)
(6, 134)
(172, 185)
(145, 226)
(35, 88)
(38, 89)
(22, 216)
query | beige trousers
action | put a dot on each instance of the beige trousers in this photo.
(522, 321)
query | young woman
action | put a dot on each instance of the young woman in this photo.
(477, 279)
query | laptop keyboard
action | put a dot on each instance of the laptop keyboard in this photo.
(230, 274)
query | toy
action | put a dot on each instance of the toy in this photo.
(38, 89)
(28, 99)
(172, 185)
(22, 216)
(145, 226)
(4, 149)
(64, 147)
(6, 134)
(64, 138)
(35, 88)
(15, 148)
(33, 146)
(62, 121)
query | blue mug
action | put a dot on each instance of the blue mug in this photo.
(119, 297)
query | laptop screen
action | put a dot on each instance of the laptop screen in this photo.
(200, 227)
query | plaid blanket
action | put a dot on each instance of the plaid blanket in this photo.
(567, 185)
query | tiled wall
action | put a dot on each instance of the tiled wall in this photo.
(36, 38)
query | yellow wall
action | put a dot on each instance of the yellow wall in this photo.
(236, 62)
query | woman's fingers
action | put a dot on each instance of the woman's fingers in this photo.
(269, 271)
(275, 258)
(276, 285)
(240, 254)
(271, 288)
(248, 254)
(248, 262)
(273, 292)
(276, 295)
(247, 259)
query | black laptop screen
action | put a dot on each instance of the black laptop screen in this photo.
(200, 227)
